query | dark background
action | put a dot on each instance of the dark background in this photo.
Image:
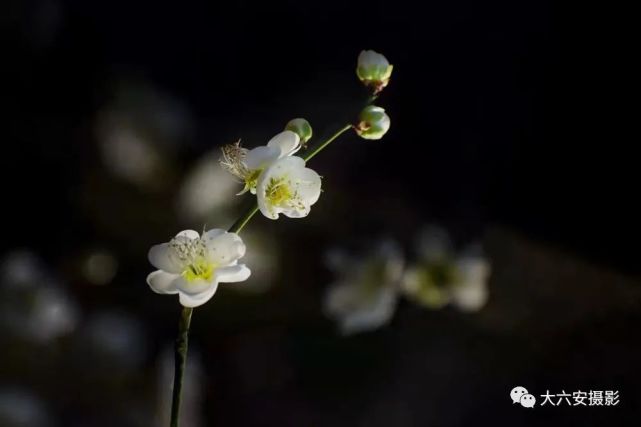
(505, 128)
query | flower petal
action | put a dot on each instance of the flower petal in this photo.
(339, 300)
(233, 274)
(308, 185)
(165, 258)
(193, 287)
(190, 234)
(289, 168)
(296, 212)
(357, 312)
(372, 317)
(197, 300)
(270, 212)
(162, 283)
(287, 142)
(470, 296)
(471, 292)
(225, 248)
(370, 58)
(285, 165)
(210, 235)
(261, 157)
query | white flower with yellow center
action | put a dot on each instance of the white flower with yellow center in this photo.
(247, 165)
(288, 187)
(192, 265)
(442, 276)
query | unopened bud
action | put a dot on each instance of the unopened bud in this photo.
(301, 127)
(373, 123)
(374, 70)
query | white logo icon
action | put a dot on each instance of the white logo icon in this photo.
(527, 401)
(521, 395)
(516, 394)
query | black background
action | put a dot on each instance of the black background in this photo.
(504, 114)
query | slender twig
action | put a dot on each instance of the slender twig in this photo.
(244, 219)
(182, 344)
(314, 151)
(185, 318)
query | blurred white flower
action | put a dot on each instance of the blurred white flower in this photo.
(441, 276)
(33, 304)
(126, 152)
(374, 70)
(156, 113)
(420, 285)
(134, 128)
(191, 265)
(365, 295)
(207, 190)
(113, 338)
(248, 165)
(264, 258)
(100, 267)
(288, 187)
(470, 291)
(52, 315)
(21, 408)
(22, 269)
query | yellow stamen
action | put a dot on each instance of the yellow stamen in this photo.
(278, 192)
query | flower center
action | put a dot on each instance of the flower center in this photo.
(278, 192)
(192, 254)
(251, 179)
(199, 269)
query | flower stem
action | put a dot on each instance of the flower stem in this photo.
(185, 318)
(307, 156)
(182, 344)
(244, 219)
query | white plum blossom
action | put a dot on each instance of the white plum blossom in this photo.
(288, 187)
(441, 276)
(248, 165)
(365, 295)
(33, 303)
(374, 70)
(192, 265)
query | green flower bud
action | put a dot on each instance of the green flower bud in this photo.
(374, 70)
(301, 127)
(373, 123)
